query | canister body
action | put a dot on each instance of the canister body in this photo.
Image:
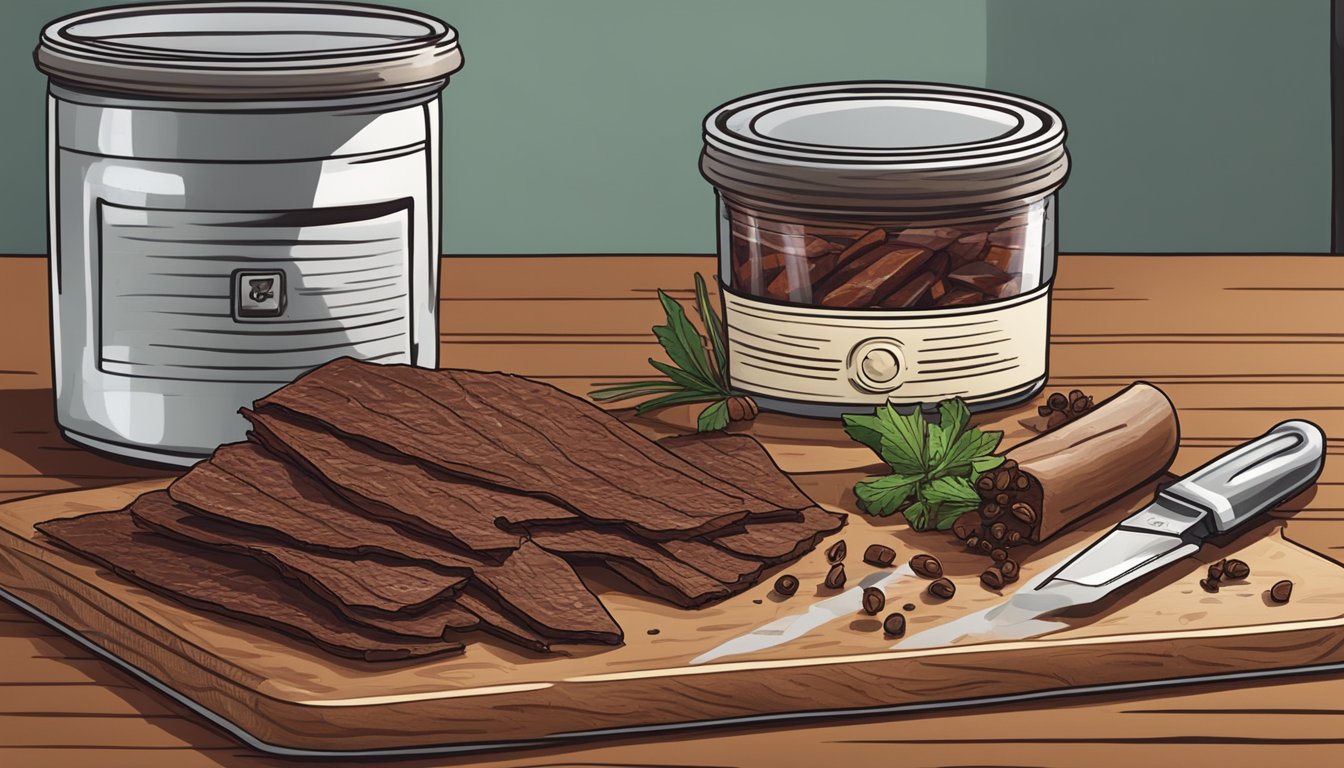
(826, 316)
(207, 252)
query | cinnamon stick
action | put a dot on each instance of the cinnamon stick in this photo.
(1054, 480)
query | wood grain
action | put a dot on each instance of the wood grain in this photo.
(1119, 303)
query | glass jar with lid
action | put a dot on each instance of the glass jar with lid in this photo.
(885, 240)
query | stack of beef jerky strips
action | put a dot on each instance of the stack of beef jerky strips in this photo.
(385, 512)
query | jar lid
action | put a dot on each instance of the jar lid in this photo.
(894, 148)
(248, 50)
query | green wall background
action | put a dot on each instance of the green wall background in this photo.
(1195, 125)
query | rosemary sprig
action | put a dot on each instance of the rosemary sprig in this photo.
(699, 365)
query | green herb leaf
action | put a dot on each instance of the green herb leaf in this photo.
(918, 515)
(955, 490)
(714, 331)
(982, 464)
(953, 416)
(947, 515)
(934, 467)
(678, 398)
(682, 378)
(946, 499)
(713, 418)
(683, 344)
(903, 439)
(627, 390)
(865, 429)
(882, 496)
(694, 376)
(969, 446)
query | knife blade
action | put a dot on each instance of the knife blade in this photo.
(1216, 498)
(794, 626)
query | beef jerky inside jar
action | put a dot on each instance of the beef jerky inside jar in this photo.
(847, 211)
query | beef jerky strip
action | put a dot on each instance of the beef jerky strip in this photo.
(687, 573)
(747, 461)
(743, 461)
(228, 584)
(243, 483)
(737, 573)
(1054, 480)
(979, 276)
(683, 583)
(652, 570)
(498, 622)
(521, 435)
(735, 459)
(776, 246)
(434, 623)
(748, 276)
(583, 420)
(375, 592)
(871, 278)
(780, 542)
(933, 238)
(401, 491)
(795, 281)
(968, 248)
(357, 582)
(546, 592)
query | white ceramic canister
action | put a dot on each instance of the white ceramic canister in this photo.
(239, 192)
(885, 241)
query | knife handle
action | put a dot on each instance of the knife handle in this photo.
(1254, 477)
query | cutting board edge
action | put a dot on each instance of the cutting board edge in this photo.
(679, 698)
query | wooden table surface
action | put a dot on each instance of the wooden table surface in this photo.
(1238, 342)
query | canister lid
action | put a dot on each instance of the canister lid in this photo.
(885, 148)
(248, 50)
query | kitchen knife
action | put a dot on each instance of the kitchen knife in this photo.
(1214, 499)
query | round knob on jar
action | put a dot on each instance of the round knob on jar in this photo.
(880, 366)
(877, 365)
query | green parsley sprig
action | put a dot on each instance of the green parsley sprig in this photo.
(933, 466)
(699, 369)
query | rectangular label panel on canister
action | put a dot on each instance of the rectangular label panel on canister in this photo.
(816, 355)
(251, 296)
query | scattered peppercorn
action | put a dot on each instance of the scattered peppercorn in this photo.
(835, 578)
(836, 552)
(894, 625)
(1282, 591)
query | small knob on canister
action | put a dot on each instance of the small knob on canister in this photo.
(876, 365)
(880, 365)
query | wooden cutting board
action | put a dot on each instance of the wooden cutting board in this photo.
(278, 694)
